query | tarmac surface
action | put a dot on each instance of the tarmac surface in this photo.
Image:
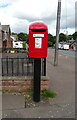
(62, 80)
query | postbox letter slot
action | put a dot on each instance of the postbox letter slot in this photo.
(38, 30)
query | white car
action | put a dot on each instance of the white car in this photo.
(66, 47)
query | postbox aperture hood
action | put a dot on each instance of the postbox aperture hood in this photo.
(38, 25)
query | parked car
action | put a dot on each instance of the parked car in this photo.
(66, 47)
(63, 46)
(60, 46)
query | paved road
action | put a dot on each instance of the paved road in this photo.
(61, 80)
(68, 53)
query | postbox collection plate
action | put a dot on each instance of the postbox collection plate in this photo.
(38, 42)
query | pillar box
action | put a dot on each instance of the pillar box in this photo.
(38, 40)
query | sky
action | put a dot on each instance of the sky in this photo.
(19, 14)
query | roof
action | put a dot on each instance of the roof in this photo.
(15, 36)
(71, 40)
(6, 28)
(38, 25)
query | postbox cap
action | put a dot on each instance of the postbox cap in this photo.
(38, 25)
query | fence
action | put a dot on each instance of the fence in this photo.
(16, 50)
(21, 66)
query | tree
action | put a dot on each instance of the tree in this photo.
(69, 37)
(62, 37)
(14, 33)
(23, 37)
(75, 36)
(50, 40)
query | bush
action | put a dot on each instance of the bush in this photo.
(24, 45)
(48, 94)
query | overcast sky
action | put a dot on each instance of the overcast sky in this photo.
(19, 14)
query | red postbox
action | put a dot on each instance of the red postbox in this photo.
(38, 40)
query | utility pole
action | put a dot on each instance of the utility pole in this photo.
(76, 16)
(0, 37)
(57, 33)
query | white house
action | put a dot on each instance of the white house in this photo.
(17, 44)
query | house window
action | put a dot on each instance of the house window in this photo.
(16, 43)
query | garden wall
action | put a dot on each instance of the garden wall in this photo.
(21, 83)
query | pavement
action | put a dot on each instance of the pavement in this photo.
(62, 80)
